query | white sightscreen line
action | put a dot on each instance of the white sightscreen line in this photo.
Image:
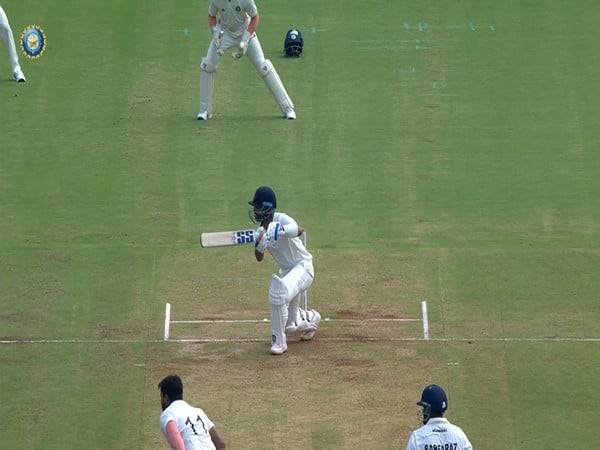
(425, 320)
(167, 321)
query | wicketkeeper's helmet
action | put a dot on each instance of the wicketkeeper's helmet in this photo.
(292, 46)
(263, 204)
(434, 401)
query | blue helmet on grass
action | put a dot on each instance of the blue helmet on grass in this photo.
(263, 204)
(293, 44)
(434, 402)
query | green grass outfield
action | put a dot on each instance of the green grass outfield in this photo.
(445, 151)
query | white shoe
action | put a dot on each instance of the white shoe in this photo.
(290, 114)
(19, 76)
(278, 349)
(313, 325)
(203, 115)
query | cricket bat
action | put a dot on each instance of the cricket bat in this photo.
(226, 238)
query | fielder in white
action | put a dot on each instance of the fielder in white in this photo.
(437, 433)
(279, 234)
(185, 427)
(9, 41)
(233, 24)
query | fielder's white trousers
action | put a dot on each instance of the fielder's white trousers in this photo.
(7, 36)
(254, 53)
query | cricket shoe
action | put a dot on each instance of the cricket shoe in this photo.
(313, 324)
(19, 76)
(290, 114)
(203, 115)
(278, 349)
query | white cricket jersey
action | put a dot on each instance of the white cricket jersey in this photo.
(288, 252)
(233, 15)
(192, 423)
(438, 434)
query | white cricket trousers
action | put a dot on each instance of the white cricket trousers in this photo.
(9, 41)
(298, 279)
(264, 68)
(254, 53)
(285, 310)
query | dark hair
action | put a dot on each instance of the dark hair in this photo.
(172, 386)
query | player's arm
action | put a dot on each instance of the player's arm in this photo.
(253, 24)
(212, 17)
(287, 227)
(252, 11)
(174, 436)
(216, 438)
(292, 229)
(212, 22)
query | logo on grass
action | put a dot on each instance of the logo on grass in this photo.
(33, 41)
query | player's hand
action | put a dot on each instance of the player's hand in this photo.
(260, 240)
(274, 232)
(215, 32)
(241, 52)
(217, 35)
(243, 47)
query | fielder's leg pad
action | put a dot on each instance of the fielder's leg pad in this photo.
(269, 74)
(207, 66)
(207, 82)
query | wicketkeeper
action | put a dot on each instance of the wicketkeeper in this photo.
(233, 25)
(7, 36)
(279, 234)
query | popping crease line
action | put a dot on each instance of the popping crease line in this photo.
(323, 339)
(326, 319)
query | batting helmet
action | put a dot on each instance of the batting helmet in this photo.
(292, 46)
(434, 402)
(263, 204)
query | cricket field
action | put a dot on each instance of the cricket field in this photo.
(444, 151)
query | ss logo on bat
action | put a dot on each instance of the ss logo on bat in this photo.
(244, 237)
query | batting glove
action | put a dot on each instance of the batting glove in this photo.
(260, 241)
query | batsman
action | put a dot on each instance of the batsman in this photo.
(279, 234)
(233, 25)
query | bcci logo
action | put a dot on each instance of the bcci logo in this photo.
(33, 41)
